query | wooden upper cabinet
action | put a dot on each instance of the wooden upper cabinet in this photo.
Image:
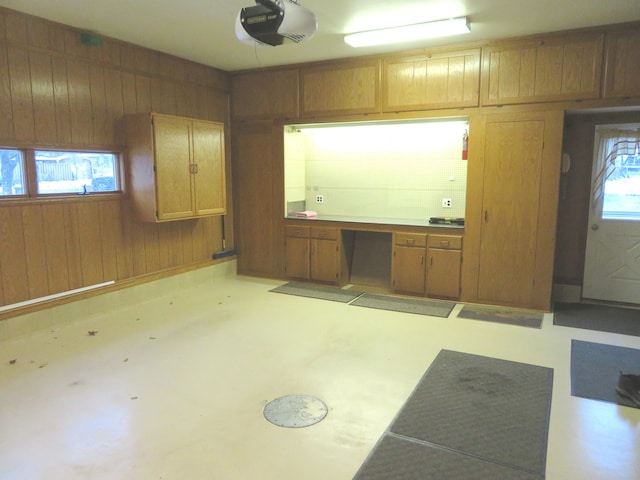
(550, 69)
(622, 70)
(176, 166)
(340, 88)
(272, 94)
(432, 80)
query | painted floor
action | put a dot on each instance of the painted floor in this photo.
(168, 380)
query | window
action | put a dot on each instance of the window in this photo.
(30, 172)
(12, 173)
(75, 172)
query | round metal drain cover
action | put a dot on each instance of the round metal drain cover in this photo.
(295, 411)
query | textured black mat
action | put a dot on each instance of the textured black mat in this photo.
(312, 290)
(597, 317)
(490, 410)
(511, 316)
(435, 308)
(399, 458)
(595, 368)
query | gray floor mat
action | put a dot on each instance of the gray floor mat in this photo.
(434, 308)
(602, 318)
(312, 290)
(492, 410)
(510, 316)
(595, 368)
(398, 458)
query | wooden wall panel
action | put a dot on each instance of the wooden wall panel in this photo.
(61, 100)
(6, 112)
(34, 241)
(55, 247)
(56, 92)
(21, 99)
(13, 256)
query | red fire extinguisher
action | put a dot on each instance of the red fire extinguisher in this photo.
(465, 145)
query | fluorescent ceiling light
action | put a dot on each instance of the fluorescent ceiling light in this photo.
(406, 33)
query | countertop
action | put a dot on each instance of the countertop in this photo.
(375, 220)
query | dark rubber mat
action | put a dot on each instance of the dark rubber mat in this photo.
(595, 368)
(312, 290)
(510, 316)
(435, 308)
(397, 458)
(492, 410)
(597, 317)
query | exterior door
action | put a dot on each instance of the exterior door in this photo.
(612, 260)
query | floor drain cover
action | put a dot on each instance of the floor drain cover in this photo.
(295, 411)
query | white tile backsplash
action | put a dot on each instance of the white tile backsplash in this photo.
(399, 172)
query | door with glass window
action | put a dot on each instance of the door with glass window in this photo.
(612, 260)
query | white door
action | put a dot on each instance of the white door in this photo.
(612, 260)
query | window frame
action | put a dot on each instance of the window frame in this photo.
(30, 176)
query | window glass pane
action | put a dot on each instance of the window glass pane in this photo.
(76, 172)
(622, 190)
(12, 173)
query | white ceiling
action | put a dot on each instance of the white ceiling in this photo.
(203, 30)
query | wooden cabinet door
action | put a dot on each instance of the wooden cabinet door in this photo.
(209, 195)
(172, 148)
(297, 263)
(258, 95)
(408, 269)
(325, 260)
(509, 239)
(622, 77)
(340, 88)
(443, 273)
(437, 80)
(563, 68)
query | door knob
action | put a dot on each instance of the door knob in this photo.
(595, 227)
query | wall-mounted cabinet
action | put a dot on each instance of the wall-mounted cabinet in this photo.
(340, 88)
(177, 167)
(262, 95)
(545, 70)
(622, 77)
(431, 80)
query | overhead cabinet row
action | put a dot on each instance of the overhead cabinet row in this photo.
(580, 66)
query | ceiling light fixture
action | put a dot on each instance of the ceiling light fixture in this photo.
(407, 33)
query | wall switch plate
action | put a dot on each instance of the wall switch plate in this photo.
(446, 203)
(319, 198)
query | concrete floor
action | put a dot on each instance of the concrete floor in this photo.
(174, 378)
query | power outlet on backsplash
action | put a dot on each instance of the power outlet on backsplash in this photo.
(319, 198)
(446, 203)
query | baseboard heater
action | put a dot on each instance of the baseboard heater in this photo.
(54, 296)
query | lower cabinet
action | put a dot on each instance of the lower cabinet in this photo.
(408, 265)
(312, 253)
(444, 260)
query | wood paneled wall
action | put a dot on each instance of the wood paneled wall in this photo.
(56, 92)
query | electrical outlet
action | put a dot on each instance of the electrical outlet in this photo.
(319, 198)
(446, 203)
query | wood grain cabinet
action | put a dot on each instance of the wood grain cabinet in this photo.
(444, 260)
(176, 166)
(550, 69)
(261, 95)
(340, 88)
(312, 253)
(408, 264)
(622, 77)
(432, 80)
